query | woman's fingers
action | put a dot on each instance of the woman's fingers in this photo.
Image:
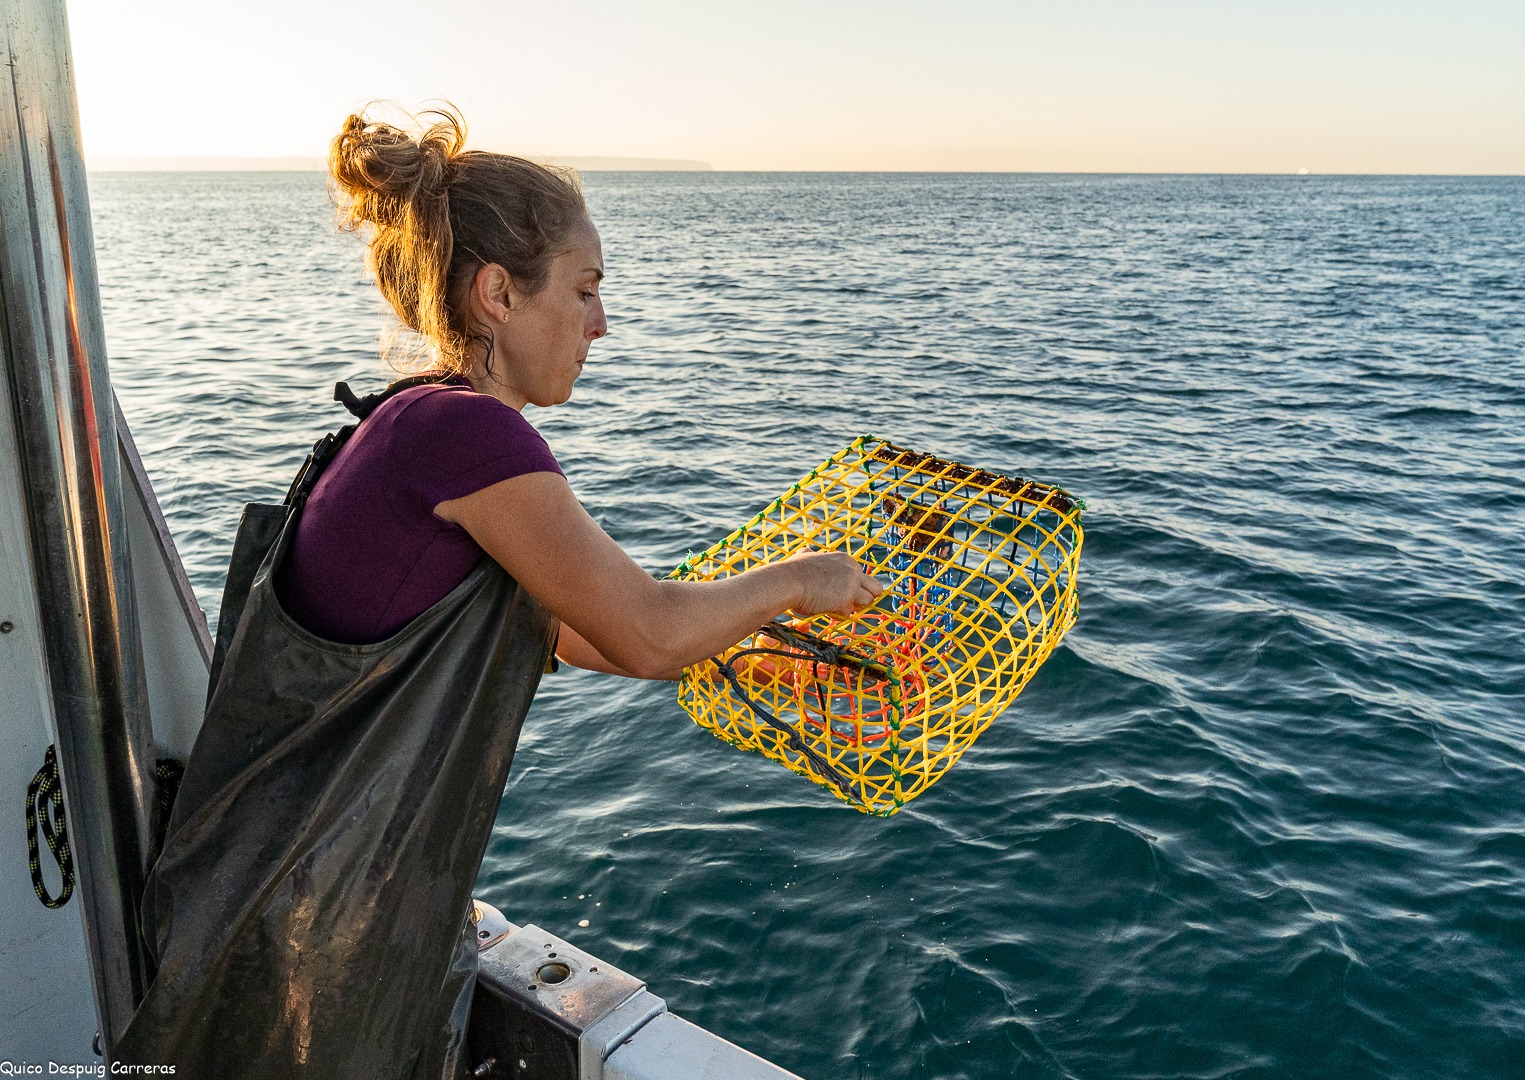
(833, 581)
(869, 590)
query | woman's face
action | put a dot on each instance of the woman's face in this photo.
(540, 340)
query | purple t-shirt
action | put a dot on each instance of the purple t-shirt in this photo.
(369, 554)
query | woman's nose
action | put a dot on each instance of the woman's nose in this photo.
(600, 325)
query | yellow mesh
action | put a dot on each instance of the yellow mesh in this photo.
(877, 707)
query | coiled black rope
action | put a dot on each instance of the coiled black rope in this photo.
(811, 648)
(45, 806)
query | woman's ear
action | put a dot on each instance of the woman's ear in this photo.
(492, 293)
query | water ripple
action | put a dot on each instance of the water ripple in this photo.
(1259, 817)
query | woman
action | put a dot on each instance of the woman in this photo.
(307, 911)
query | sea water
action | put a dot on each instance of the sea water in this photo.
(1262, 815)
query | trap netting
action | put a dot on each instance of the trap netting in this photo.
(876, 707)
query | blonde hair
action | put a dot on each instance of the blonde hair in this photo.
(440, 212)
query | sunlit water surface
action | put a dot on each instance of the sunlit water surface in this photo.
(1260, 816)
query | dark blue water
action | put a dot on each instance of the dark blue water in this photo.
(1262, 815)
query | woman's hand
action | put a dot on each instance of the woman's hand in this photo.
(831, 581)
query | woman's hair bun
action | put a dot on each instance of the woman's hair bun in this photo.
(384, 175)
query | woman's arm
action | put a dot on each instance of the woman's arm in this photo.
(572, 648)
(537, 530)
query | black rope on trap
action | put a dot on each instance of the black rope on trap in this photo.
(817, 651)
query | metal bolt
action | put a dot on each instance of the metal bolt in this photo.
(7, 626)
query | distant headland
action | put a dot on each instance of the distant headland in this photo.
(312, 164)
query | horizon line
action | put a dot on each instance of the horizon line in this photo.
(302, 163)
(108, 164)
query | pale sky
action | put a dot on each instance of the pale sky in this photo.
(1088, 85)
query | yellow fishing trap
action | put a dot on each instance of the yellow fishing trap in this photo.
(877, 706)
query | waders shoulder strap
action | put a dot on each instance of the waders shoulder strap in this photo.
(325, 449)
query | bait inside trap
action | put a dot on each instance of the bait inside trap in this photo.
(877, 706)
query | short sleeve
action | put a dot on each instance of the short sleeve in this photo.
(451, 441)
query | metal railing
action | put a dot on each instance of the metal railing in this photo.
(55, 360)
